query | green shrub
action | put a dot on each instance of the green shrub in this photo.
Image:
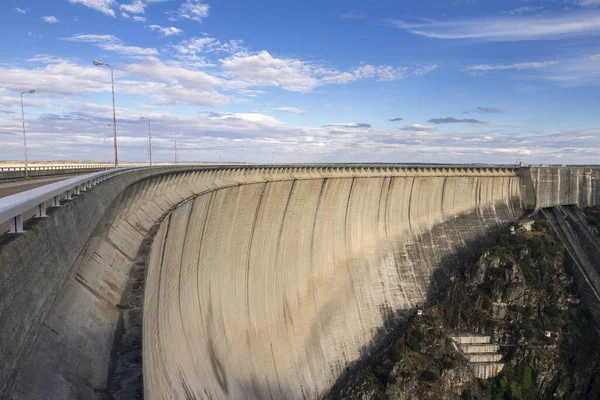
(467, 395)
(527, 377)
(541, 225)
(538, 247)
(413, 343)
(396, 353)
(448, 363)
(515, 391)
(429, 376)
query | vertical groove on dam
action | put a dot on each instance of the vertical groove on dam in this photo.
(271, 289)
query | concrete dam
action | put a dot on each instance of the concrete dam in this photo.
(260, 282)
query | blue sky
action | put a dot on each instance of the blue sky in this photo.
(463, 80)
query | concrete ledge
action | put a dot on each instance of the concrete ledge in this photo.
(470, 339)
(484, 357)
(479, 348)
(486, 370)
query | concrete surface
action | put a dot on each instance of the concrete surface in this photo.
(484, 357)
(262, 282)
(271, 290)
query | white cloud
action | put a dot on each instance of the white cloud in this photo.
(104, 6)
(50, 19)
(161, 85)
(195, 50)
(578, 70)
(517, 66)
(353, 125)
(508, 28)
(136, 7)
(379, 72)
(70, 129)
(137, 18)
(418, 128)
(193, 10)
(262, 69)
(47, 59)
(574, 71)
(60, 77)
(153, 68)
(292, 110)
(425, 70)
(523, 10)
(113, 43)
(125, 15)
(20, 10)
(587, 3)
(170, 31)
(254, 118)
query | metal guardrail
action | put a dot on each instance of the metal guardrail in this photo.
(58, 167)
(12, 208)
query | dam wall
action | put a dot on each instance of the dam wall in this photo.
(297, 271)
(271, 290)
(52, 315)
(554, 186)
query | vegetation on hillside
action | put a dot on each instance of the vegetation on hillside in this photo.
(518, 291)
(593, 216)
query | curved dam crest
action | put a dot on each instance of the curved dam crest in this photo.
(262, 282)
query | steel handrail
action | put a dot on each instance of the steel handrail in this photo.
(13, 207)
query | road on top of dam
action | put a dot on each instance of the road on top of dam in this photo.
(21, 185)
(17, 186)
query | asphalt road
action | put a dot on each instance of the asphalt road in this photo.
(13, 187)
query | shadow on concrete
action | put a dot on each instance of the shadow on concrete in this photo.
(395, 321)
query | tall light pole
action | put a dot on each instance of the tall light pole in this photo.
(112, 78)
(104, 138)
(32, 91)
(175, 134)
(149, 141)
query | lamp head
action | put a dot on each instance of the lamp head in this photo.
(97, 63)
(32, 91)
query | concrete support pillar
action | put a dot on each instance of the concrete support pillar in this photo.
(77, 190)
(56, 201)
(40, 210)
(16, 224)
(68, 195)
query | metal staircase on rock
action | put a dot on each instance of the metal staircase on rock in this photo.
(481, 353)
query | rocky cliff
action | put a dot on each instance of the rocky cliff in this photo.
(517, 291)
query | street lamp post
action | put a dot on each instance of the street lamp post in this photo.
(104, 139)
(112, 78)
(175, 135)
(149, 141)
(32, 91)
